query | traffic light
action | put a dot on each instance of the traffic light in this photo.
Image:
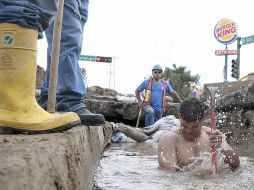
(235, 69)
(103, 59)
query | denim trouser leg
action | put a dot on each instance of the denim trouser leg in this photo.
(70, 88)
(151, 116)
(157, 116)
(36, 14)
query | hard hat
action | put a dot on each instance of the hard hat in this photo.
(157, 67)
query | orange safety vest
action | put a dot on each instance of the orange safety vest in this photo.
(147, 100)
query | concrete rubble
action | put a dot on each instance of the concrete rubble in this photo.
(52, 161)
(236, 115)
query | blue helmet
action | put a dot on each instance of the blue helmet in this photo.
(157, 67)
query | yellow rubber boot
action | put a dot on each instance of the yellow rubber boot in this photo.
(19, 111)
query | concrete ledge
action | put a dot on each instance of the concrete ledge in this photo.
(51, 161)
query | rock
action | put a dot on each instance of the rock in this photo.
(118, 106)
(243, 98)
(130, 132)
(235, 114)
(51, 161)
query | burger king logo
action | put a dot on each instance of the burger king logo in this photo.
(226, 31)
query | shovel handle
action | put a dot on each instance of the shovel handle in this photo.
(139, 115)
(55, 58)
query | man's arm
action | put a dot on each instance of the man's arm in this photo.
(137, 93)
(167, 157)
(176, 96)
(217, 140)
(232, 158)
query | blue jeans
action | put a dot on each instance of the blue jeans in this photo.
(71, 87)
(36, 14)
(151, 116)
(39, 14)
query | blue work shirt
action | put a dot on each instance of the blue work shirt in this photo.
(157, 93)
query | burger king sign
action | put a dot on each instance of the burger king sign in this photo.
(226, 31)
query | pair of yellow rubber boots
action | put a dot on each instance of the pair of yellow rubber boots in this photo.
(19, 111)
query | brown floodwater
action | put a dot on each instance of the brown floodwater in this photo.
(134, 166)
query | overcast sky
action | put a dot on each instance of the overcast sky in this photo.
(141, 33)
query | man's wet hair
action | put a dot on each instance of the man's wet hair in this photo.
(192, 110)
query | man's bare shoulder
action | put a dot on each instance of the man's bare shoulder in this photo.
(206, 128)
(170, 135)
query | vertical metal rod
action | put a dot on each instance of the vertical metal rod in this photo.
(226, 66)
(114, 72)
(238, 53)
(55, 57)
(109, 75)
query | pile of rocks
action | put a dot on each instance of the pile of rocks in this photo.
(236, 114)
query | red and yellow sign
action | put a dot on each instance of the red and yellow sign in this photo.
(226, 31)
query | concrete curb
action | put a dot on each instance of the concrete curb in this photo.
(51, 161)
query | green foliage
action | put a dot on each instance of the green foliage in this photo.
(181, 80)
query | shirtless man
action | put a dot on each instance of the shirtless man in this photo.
(178, 147)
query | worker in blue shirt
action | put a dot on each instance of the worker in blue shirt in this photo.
(154, 103)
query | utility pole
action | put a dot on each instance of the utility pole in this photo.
(226, 66)
(238, 53)
(235, 71)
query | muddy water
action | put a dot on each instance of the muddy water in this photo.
(134, 166)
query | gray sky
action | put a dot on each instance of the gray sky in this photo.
(142, 33)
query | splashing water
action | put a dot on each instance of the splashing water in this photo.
(201, 166)
(134, 166)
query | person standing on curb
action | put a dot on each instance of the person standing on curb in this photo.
(71, 88)
(21, 23)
